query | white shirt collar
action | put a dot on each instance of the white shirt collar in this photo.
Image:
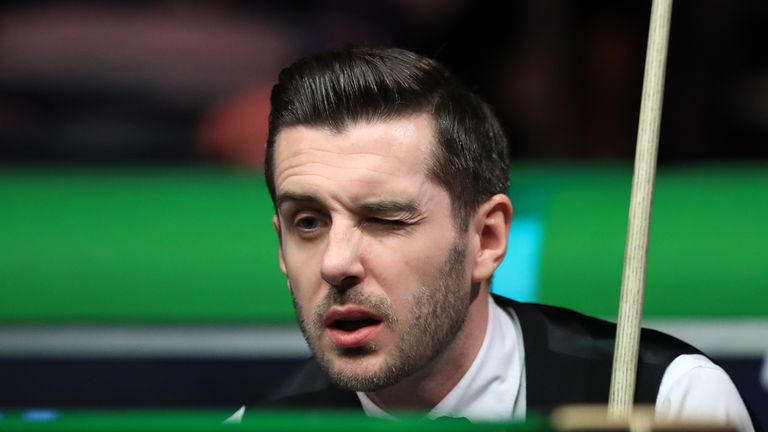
(493, 388)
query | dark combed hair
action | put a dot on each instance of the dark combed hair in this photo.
(337, 89)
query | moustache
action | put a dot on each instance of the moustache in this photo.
(376, 304)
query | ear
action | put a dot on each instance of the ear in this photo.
(491, 226)
(276, 225)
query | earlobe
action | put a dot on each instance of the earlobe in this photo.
(276, 226)
(492, 222)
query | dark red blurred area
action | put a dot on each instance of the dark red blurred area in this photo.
(189, 82)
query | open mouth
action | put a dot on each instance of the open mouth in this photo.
(352, 326)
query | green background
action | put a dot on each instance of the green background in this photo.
(272, 421)
(143, 245)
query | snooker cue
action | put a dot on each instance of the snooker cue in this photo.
(624, 371)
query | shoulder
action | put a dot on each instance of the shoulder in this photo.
(573, 352)
(687, 390)
(564, 330)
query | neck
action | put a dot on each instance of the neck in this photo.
(427, 387)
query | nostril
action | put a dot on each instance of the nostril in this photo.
(347, 282)
(341, 280)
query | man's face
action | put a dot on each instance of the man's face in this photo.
(377, 270)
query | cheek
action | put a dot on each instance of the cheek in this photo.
(402, 269)
(303, 273)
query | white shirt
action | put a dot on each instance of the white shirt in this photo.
(687, 390)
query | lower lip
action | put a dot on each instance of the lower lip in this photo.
(355, 338)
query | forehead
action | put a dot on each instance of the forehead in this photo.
(378, 153)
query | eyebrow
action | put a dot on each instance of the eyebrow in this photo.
(407, 208)
(293, 197)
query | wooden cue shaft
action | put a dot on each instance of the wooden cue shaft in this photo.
(624, 371)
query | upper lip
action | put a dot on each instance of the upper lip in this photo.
(349, 313)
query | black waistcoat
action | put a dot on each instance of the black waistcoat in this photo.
(573, 353)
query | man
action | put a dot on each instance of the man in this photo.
(389, 182)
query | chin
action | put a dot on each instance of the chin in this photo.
(359, 361)
(358, 372)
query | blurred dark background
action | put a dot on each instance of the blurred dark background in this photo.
(181, 82)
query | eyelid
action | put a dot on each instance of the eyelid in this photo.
(393, 224)
(304, 214)
(388, 220)
(291, 212)
(408, 218)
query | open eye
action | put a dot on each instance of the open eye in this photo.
(307, 223)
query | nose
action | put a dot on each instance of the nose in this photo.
(342, 267)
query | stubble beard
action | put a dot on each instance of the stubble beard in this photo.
(438, 311)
